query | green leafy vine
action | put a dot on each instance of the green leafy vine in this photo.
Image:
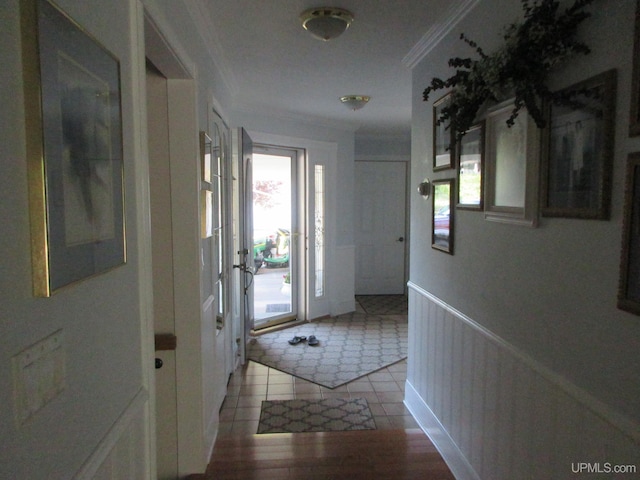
(542, 41)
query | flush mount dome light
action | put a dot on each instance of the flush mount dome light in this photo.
(355, 102)
(326, 23)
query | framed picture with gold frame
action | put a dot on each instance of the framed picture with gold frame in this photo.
(629, 286)
(74, 149)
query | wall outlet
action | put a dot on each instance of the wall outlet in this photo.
(39, 374)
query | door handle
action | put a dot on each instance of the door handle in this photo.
(159, 363)
(401, 239)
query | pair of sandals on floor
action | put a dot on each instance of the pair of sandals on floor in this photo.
(312, 340)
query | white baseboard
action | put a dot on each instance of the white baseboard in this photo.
(432, 427)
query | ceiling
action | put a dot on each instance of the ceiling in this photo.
(273, 66)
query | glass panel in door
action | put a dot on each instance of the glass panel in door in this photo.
(274, 224)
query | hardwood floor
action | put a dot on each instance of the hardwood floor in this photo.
(397, 450)
(354, 455)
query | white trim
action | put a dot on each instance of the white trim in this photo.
(429, 423)
(620, 421)
(341, 279)
(143, 234)
(117, 431)
(457, 11)
(155, 18)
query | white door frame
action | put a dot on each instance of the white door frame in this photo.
(193, 452)
(143, 232)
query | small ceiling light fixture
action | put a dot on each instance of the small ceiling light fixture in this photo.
(326, 23)
(355, 102)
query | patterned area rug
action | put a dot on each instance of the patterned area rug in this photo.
(351, 346)
(327, 415)
(384, 304)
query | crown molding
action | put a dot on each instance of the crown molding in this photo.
(205, 28)
(457, 11)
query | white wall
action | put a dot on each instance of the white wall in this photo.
(95, 427)
(105, 394)
(546, 294)
(383, 147)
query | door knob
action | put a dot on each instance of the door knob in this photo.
(159, 363)
(401, 239)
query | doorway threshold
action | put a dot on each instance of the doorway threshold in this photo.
(275, 328)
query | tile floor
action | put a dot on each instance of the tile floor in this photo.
(249, 385)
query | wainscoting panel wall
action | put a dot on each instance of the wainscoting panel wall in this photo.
(121, 455)
(494, 412)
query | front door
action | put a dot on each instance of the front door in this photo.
(380, 206)
(276, 235)
(242, 240)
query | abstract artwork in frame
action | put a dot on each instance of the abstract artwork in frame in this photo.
(74, 150)
(443, 135)
(629, 285)
(578, 152)
(442, 221)
(470, 151)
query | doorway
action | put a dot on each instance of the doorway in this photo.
(380, 227)
(277, 216)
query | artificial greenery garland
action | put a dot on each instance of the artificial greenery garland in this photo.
(520, 67)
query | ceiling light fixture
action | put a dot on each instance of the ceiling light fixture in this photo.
(355, 102)
(326, 23)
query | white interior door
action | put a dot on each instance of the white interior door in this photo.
(380, 230)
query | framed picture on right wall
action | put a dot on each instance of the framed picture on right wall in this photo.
(578, 151)
(634, 117)
(629, 287)
(470, 151)
(443, 215)
(511, 170)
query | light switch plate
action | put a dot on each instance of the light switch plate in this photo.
(39, 374)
